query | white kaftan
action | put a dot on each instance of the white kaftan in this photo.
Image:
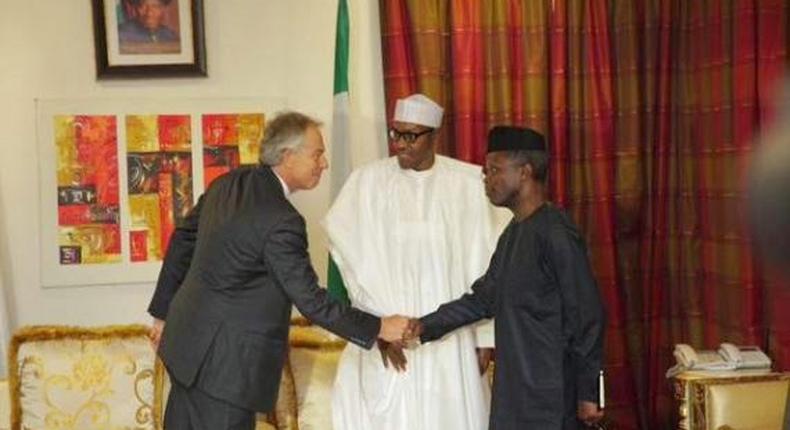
(406, 242)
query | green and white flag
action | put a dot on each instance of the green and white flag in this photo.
(341, 142)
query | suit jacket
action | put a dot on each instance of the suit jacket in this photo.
(232, 271)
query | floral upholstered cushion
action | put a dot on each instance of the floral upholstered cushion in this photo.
(84, 379)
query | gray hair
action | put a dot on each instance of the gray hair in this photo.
(285, 132)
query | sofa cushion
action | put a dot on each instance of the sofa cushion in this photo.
(84, 378)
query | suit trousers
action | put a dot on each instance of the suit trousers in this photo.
(189, 408)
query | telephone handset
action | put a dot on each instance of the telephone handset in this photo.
(728, 357)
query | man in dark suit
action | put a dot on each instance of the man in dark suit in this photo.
(232, 271)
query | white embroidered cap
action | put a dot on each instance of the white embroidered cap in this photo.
(418, 109)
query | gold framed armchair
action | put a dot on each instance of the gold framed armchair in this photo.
(732, 400)
(84, 378)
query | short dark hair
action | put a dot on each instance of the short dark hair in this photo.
(538, 160)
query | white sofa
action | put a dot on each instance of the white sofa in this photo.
(77, 376)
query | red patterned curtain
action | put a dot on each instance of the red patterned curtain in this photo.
(650, 107)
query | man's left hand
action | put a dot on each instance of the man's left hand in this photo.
(484, 358)
(155, 333)
(392, 353)
(588, 413)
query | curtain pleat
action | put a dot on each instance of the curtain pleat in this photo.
(651, 108)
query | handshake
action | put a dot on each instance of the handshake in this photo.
(395, 333)
(401, 329)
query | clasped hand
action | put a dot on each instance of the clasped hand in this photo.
(397, 332)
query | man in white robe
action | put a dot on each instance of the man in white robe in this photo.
(409, 233)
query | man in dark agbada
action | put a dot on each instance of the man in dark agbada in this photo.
(549, 316)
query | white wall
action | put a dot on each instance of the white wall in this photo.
(5, 331)
(255, 48)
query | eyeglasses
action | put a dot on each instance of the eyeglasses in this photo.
(407, 136)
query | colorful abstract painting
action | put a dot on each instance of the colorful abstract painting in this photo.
(159, 167)
(87, 182)
(230, 141)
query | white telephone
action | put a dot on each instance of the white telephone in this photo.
(728, 357)
(745, 357)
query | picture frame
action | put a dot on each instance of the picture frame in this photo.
(92, 203)
(149, 38)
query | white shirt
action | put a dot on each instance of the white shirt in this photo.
(286, 190)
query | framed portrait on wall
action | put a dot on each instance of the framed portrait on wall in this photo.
(149, 38)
